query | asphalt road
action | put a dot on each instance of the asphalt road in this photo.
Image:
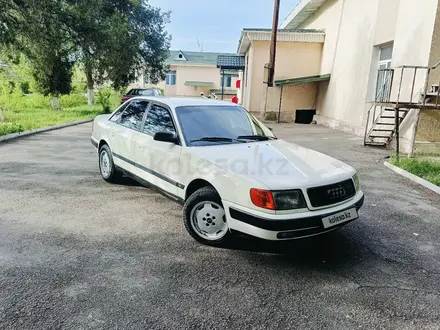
(79, 253)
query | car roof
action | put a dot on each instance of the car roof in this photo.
(184, 101)
(142, 89)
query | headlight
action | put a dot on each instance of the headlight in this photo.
(289, 200)
(357, 184)
(278, 200)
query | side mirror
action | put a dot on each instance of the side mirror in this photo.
(270, 129)
(165, 137)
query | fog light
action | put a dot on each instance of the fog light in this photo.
(286, 234)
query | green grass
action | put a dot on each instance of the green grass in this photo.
(24, 113)
(428, 169)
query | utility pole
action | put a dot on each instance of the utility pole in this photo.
(273, 43)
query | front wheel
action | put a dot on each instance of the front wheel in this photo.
(204, 217)
(106, 166)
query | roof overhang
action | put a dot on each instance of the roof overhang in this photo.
(303, 10)
(302, 80)
(250, 35)
(199, 83)
(230, 62)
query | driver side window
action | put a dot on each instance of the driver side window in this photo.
(158, 120)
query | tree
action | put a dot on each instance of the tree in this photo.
(118, 39)
(113, 39)
(34, 29)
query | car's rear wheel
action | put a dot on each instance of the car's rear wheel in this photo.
(204, 217)
(106, 166)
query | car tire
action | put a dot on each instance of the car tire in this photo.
(106, 165)
(204, 217)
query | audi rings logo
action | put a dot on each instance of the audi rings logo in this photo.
(336, 193)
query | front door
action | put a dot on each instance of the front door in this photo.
(159, 160)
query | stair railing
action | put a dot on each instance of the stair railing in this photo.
(382, 96)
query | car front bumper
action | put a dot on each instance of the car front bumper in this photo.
(286, 227)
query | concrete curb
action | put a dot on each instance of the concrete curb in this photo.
(413, 177)
(43, 129)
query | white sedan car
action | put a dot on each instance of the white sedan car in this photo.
(227, 168)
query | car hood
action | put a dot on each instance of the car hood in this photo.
(277, 164)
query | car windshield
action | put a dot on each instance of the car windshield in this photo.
(143, 92)
(212, 125)
(146, 92)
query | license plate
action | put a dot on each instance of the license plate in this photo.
(338, 218)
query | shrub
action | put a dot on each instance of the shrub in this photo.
(8, 128)
(34, 101)
(104, 95)
(73, 100)
(24, 87)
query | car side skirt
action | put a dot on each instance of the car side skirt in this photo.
(150, 171)
(148, 184)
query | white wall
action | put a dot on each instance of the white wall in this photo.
(412, 43)
(364, 25)
(328, 18)
(387, 13)
(342, 104)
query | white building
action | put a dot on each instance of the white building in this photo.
(362, 36)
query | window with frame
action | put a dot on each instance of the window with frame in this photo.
(170, 78)
(133, 115)
(383, 77)
(227, 79)
(158, 120)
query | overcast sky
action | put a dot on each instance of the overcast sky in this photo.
(217, 23)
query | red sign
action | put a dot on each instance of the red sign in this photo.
(238, 83)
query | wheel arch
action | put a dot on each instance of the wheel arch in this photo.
(101, 143)
(195, 185)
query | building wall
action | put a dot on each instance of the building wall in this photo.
(412, 44)
(290, 60)
(328, 18)
(296, 97)
(344, 102)
(193, 73)
(190, 73)
(428, 129)
(387, 13)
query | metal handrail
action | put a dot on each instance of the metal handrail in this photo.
(378, 98)
(435, 66)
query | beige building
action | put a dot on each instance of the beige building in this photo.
(329, 53)
(192, 73)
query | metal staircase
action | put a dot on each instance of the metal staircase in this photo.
(390, 107)
(383, 128)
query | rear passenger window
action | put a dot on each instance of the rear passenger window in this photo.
(158, 120)
(133, 115)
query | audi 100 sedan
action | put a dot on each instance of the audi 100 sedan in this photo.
(227, 168)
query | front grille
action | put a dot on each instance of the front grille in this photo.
(332, 193)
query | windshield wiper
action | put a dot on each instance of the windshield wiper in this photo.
(255, 137)
(215, 139)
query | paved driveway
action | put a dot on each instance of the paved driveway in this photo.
(78, 253)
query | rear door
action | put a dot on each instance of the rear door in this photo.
(159, 160)
(125, 132)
